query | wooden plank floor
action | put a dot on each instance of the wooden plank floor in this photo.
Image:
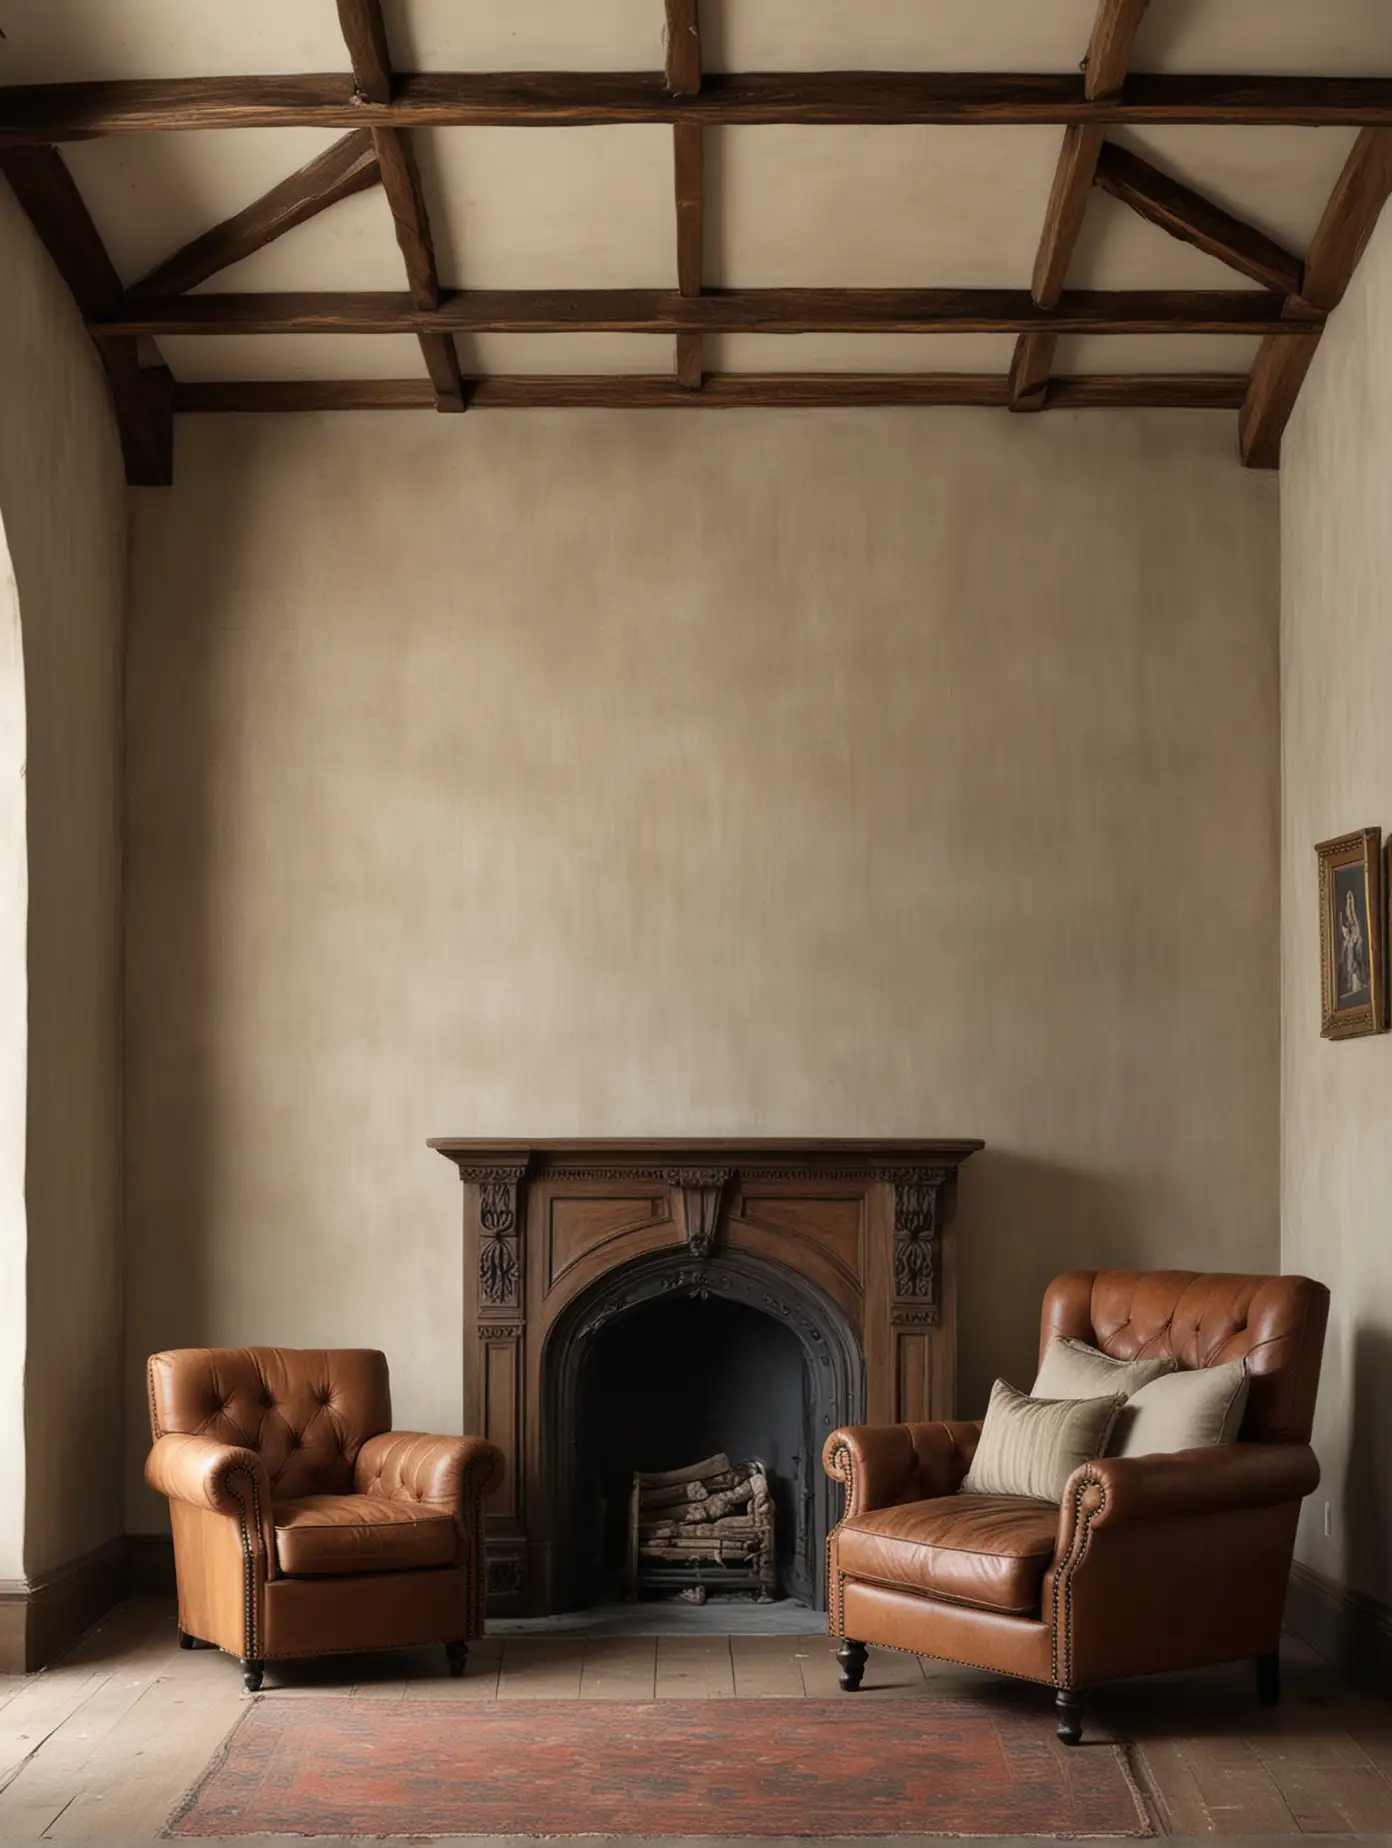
(105, 1743)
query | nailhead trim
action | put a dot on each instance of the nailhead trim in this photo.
(248, 1557)
(1083, 1519)
(844, 1470)
(836, 1587)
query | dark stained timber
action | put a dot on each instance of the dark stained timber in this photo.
(1104, 73)
(1278, 372)
(401, 183)
(365, 34)
(1348, 221)
(683, 47)
(1109, 50)
(727, 391)
(65, 112)
(690, 361)
(348, 167)
(1063, 216)
(1029, 371)
(442, 363)
(661, 311)
(141, 396)
(1187, 214)
(687, 169)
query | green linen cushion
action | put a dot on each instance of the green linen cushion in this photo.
(1032, 1446)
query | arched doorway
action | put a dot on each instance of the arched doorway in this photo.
(14, 1067)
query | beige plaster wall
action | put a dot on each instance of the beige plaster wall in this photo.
(1336, 774)
(63, 501)
(829, 773)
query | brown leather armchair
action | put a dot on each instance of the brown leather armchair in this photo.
(303, 1524)
(1150, 1562)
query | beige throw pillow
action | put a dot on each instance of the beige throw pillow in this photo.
(1073, 1370)
(1190, 1410)
(1032, 1446)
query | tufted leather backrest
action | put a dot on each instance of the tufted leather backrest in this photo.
(306, 1411)
(1275, 1323)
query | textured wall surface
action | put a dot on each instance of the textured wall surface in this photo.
(1336, 669)
(63, 500)
(833, 773)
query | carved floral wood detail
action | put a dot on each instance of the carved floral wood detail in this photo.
(916, 1243)
(499, 1247)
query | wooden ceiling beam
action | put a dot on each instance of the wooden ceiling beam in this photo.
(1348, 222)
(365, 33)
(1029, 371)
(684, 79)
(142, 397)
(1109, 49)
(1207, 391)
(664, 311)
(401, 183)
(1188, 215)
(689, 185)
(442, 99)
(348, 167)
(1063, 216)
(683, 72)
(1104, 73)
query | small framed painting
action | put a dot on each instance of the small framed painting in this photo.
(1352, 973)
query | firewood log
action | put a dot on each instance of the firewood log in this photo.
(674, 1496)
(694, 1472)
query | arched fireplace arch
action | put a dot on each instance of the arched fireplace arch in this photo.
(833, 1372)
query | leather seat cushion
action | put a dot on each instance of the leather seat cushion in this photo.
(991, 1551)
(322, 1534)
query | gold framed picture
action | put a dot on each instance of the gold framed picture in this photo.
(1353, 976)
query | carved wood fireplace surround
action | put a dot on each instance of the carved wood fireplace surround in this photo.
(848, 1243)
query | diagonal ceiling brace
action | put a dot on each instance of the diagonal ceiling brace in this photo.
(142, 396)
(365, 34)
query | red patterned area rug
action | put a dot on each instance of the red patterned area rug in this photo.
(716, 1767)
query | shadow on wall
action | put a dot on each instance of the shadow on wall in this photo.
(174, 924)
(1020, 1222)
(1367, 1510)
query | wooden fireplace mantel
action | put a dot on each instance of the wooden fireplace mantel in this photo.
(561, 1234)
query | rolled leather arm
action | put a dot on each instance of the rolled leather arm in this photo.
(883, 1465)
(1131, 1491)
(227, 1478)
(410, 1466)
(206, 1473)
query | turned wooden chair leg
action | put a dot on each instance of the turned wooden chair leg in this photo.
(851, 1656)
(1069, 1707)
(1268, 1669)
(253, 1673)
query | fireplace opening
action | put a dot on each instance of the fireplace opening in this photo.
(684, 1379)
(664, 1362)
